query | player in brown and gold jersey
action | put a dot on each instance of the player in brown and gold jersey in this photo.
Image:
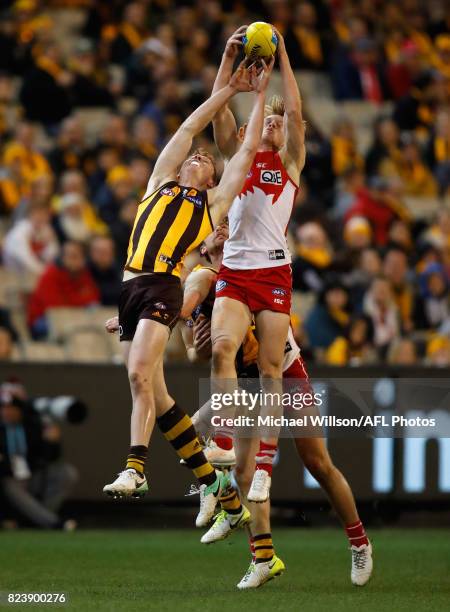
(178, 211)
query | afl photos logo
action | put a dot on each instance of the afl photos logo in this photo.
(271, 176)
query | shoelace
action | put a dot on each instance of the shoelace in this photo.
(359, 558)
(194, 490)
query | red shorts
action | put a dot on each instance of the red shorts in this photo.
(260, 289)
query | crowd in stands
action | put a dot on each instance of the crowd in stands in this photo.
(377, 269)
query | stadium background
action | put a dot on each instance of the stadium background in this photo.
(89, 93)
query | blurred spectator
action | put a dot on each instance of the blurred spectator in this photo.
(356, 347)
(380, 306)
(33, 479)
(145, 138)
(31, 243)
(131, 32)
(386, 145)
(357, 234)
(6, 344)
(402, 352)
(329, 317)
(441, 59)
(349, 184)
(432, 305)
(104, 270)
(70, 151)
(410, 167)
(66, 283)
(438, 150)
(367, 267)
(91, 84)
(380, 206)
(306, 47)
(117, 190)
(121, 227)
(6, 323)
(359, 74)
(344, 149)
(438, 352)
(405, 69)
(438, 234)
(75, 217)
(400, 235)
(45, 93)
(314, 257)
(417, 109)
(395, 270)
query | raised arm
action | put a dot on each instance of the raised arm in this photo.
(178, 147)
(224, 123)
(234, 175)
(293, 153)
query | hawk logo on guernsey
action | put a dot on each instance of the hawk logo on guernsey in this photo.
(221, 284)
(271, 176)
(190, 197)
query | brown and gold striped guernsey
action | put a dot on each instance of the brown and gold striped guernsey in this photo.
(170, 223)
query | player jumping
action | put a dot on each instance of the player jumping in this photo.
(178, 211)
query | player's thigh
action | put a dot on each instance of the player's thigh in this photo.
(230, 321)
(271, 330)
(147, 347)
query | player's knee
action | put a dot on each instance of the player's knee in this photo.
(319, 466)
(244, 477)
(271, 369)
(139, 380)
(223, 353)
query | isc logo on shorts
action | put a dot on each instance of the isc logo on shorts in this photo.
(221, 284)
(271, 176)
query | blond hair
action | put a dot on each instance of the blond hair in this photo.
(275, 106)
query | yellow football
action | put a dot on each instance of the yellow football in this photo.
(259, 40)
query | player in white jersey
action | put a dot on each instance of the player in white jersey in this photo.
(255, 279)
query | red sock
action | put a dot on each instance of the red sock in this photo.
(252, 547)
(224, 442)
(356, 534)
(265, 457)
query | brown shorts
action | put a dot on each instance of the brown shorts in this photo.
(151, 296)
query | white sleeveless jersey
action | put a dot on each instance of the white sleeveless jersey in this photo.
(291, 350)
(259, 216)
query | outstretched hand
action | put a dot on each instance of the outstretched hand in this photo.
(234, 43)
(281, 48)
(259, 79)
(240, 80)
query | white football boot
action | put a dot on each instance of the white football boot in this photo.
(128, 484)
(260, 573)
(362, 564)
(219, 457)
(225, 524)
(209, 496)
(260, 487)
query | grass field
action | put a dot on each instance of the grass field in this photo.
(170, 570)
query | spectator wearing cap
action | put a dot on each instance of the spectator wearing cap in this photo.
(31, 244)
(115, 192)
(432, 308)
(329, 317)
(104, 269)
(355, 348)
(66, 283)
(357, 234)
(379, 304)
(402, 71)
